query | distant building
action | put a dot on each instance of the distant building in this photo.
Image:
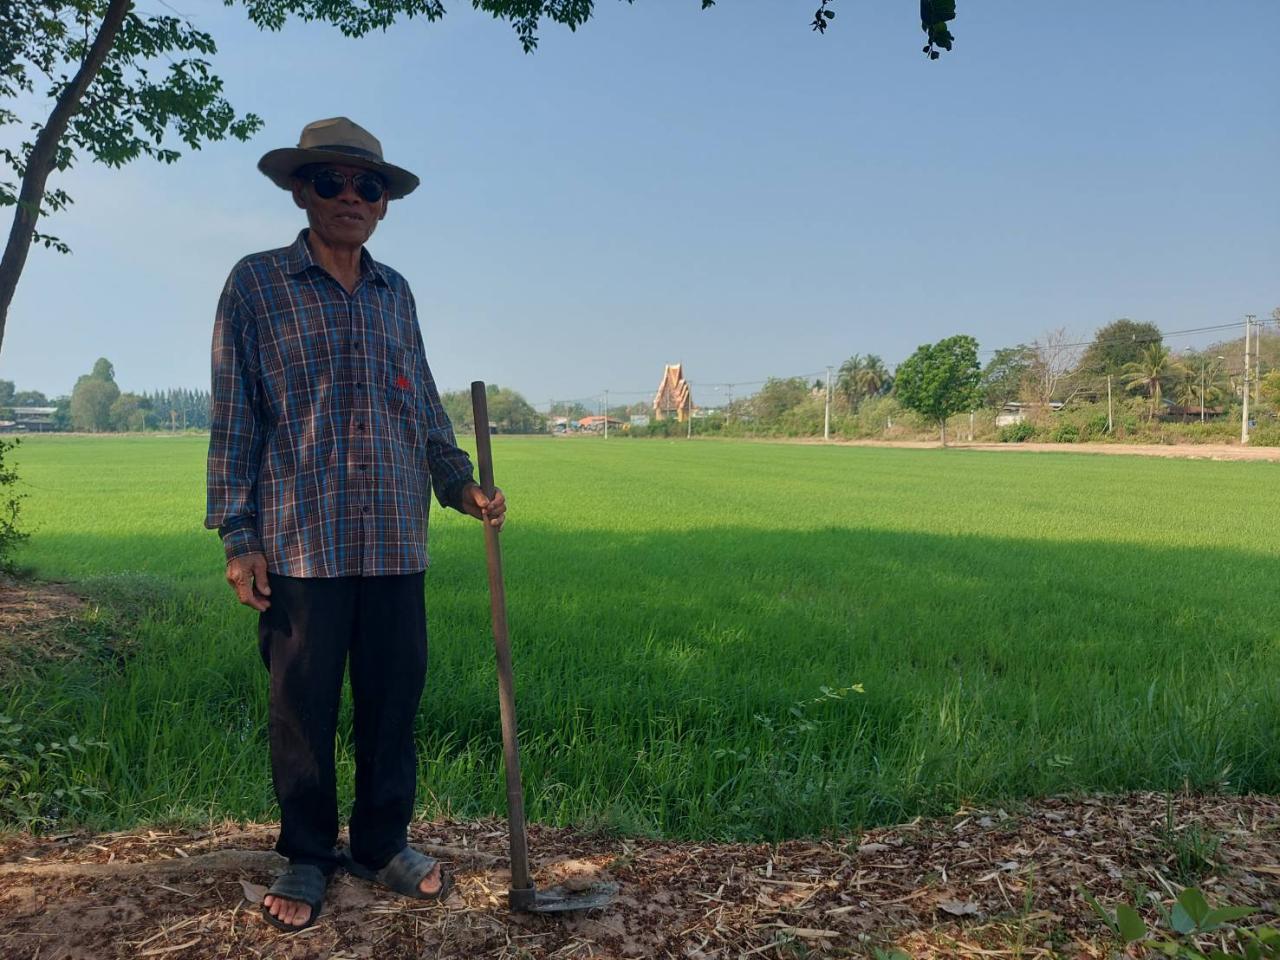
(673, 400)
(1192, 413)
(596, 423)
(1012, 413)
(29, 420)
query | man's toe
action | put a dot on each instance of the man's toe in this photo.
(431, 882)
(292, 912)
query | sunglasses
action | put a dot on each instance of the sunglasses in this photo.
(329, 183)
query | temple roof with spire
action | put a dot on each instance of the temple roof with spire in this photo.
(673, 394)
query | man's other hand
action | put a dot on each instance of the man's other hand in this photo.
(248, 578)
(476, 504)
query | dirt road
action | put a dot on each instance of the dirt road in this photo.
(1194, 451)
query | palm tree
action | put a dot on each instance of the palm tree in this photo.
(863, 377)
(874, 378)
(1202, 381)
(847, 381)
(1156, 368)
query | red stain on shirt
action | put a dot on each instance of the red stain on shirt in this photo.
(402, 382)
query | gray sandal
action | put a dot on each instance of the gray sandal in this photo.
(403, 873)
(304, 883)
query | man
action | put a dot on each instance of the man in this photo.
(327, 434)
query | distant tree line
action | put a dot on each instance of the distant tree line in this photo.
(509, 412)
(179, 409)
(1123, 383)
(98, 405)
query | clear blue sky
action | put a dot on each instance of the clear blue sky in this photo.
(723, 188)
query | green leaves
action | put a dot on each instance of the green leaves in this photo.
(1191, 916)
(1130, 926)
(39, 782)
(11, 534)
(940, 379)
(153, 85)
(130, 109)
(934, 17)
(821, 17)
(355, 19)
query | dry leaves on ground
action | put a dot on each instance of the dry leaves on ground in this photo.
(982, 883)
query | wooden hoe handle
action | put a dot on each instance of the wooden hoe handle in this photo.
(521, 886)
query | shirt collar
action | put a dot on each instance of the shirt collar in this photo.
(298, 259)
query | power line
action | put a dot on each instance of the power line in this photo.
(729, 387)
(1135, 338)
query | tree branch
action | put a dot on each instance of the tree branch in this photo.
(44, 154)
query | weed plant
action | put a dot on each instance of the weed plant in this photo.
(11, 534)
(1190, 851)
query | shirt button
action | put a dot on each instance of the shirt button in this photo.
(364, 466)
(364, 509)
(355, 345)
(359, 386)
(360, 427)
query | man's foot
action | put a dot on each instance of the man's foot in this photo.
(289, 912)
(430, 885)
(409, 873)
(294, 900)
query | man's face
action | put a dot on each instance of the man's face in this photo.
(347, 220)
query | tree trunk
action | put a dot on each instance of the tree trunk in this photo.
(943, 422)
(44, 154)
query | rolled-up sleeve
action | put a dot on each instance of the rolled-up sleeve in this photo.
(235, 435)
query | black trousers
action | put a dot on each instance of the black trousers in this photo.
(307, 635)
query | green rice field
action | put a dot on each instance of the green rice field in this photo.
(712, 639)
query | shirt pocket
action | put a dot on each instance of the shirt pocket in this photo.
(403, 402)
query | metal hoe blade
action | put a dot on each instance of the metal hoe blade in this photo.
(560, 900)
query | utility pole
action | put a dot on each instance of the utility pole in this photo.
(1204, 365)
(1244, 414)
(1110, 422)
(826, 410)
(606, 414)
(971, 426)
(1257, 362)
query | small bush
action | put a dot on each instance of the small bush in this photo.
(1017, 432)
(10, 501)
(41, 781)
(1095, 427)
(1265, 436)
(1066, 433)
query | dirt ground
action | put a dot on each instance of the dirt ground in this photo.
(1188, 451)
(979, 884)
(33, 622)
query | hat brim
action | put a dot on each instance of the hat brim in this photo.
(280, 166)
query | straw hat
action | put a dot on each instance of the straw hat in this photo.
(338, 140)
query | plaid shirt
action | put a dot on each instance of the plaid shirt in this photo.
(327, 427)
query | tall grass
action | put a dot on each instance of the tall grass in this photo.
(689, 620)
